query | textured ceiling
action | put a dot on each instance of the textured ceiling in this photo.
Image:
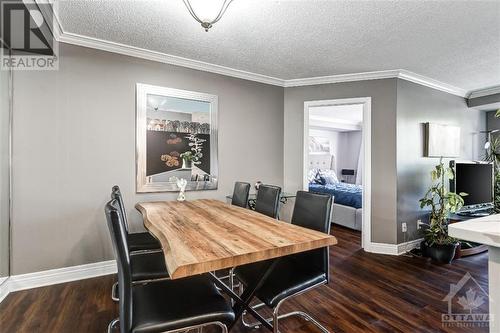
(456, 42)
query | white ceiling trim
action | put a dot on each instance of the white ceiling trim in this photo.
(431, 83)
(99, 44)
(388, 74)
(484, 92)
(132, 51)
(342, 78)
(104, 45)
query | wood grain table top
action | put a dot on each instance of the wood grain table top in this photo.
(201, 236)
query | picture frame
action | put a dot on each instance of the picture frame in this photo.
(176, 138)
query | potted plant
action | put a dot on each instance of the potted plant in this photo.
(187, 160)
(493, 155)
(437, 244)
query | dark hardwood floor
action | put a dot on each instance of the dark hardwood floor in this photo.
(367, 293)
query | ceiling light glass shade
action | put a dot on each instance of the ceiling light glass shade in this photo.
(207, 12)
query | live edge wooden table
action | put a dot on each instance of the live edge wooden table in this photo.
(203, 236)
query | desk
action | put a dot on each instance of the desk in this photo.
(202, 236)
(485, 230)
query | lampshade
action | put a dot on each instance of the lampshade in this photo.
(207, 12)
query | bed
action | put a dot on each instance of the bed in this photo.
(347, 198)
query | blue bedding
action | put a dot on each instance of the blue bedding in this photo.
(343, 193)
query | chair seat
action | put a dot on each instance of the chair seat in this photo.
(288, 278)
(174, 304)
(148, 266)
(142, 241)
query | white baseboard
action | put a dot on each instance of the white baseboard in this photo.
(408, 246)
(393, 249)
(55, 276)
(61, 275)
(382, 248)
(4, 289)
(74, 273)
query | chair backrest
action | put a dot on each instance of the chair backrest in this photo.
(240, 194)
(120, 246)
(313, 211)
(117, 194)
(268, 199)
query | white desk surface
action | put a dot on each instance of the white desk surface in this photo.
(483, 230)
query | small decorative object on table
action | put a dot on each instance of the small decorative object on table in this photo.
(437, 244)
(181, 184)
(257, 185)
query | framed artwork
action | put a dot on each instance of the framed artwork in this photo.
(319, 145)
(176, 138)
(442, 140)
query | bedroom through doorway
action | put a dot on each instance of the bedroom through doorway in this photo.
(337, 160)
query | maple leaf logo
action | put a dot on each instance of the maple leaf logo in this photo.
(470, 301)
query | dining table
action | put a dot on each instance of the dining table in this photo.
(207, 235)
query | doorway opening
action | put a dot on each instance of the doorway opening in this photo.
(337, 159)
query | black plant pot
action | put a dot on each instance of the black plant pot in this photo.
(443, 254)
(424, 249)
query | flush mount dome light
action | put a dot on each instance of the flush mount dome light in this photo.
(207, 12)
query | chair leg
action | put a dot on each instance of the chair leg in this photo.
(275, 318)
(306, 317)
(199, 328)
(231, 278)
(112, 324)
(114, 292)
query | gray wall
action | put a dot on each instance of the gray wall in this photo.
(4, 172)
(344, 146)
(488, 100)
(492, 122)
(383, 94)
(416, 105)
(74, 137)
(350, 145)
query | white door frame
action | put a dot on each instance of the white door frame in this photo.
(366, 240)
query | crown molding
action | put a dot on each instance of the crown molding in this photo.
(484, 92)
(95, 43)
(312, 81)
(431, 83)
(388, 74)
(100, 44)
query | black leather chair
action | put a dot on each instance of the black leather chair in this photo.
(147, 260)
(139, 241)
(268, 199)
(240, 194)
(294, 274)
(144, 267)
(166, 306)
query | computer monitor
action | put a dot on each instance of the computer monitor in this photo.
(475, 179)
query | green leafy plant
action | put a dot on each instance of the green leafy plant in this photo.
(196, 145)
(188, 156)
(442, 203)
(493, 155)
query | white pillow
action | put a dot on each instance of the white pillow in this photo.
(311, 175)
(329, 175)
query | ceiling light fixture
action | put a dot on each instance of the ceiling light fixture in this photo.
(207, 12)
